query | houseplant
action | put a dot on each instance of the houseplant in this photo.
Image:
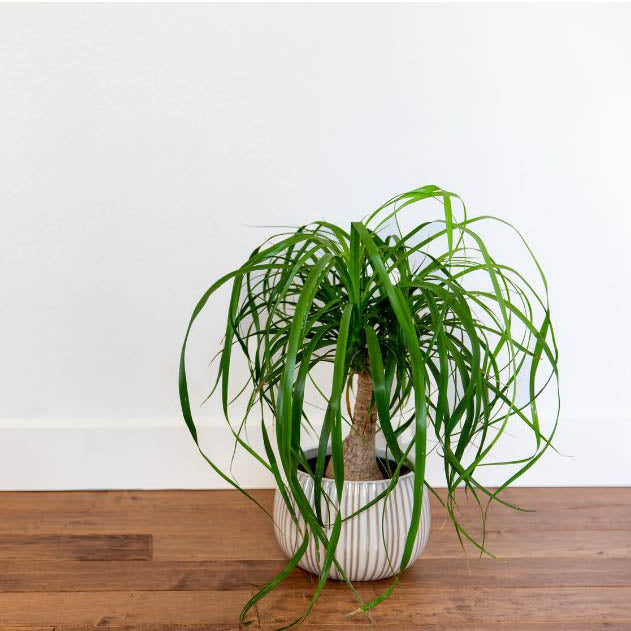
(437, 342)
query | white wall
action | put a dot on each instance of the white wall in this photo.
(139, 141)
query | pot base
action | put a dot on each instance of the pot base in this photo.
(371, 544)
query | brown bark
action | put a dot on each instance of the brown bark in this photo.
(360, 460)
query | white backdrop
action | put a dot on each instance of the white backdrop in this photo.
(140, 142)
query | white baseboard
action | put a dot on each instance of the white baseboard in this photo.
(166, 457)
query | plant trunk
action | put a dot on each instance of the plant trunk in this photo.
(360, 460)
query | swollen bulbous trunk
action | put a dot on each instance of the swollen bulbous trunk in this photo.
(360, 460)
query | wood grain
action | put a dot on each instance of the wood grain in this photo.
(188, 560)
(442, 543)
(193, 511)
(387, 626)
(75, 576)
(451, 606)
(511, 625)
(78, 547)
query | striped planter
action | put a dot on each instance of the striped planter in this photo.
(371, 543)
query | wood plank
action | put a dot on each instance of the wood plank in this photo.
(162, 627)
(473, 626)
(518, 572)
(196, 511)
(64, 521)
(179, 499)
(449, 606)
(566, 567)
(141, 517)
(414, 608)
(383, 626)
(35, 576)
(78, 547)
(241, 544)
(533, 543)
(235, 544)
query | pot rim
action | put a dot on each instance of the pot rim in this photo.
(381, 453)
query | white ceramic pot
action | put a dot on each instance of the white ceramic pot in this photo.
(371, 544)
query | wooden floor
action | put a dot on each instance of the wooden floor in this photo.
(188, 560)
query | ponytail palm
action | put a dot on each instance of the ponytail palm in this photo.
(441, 346)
